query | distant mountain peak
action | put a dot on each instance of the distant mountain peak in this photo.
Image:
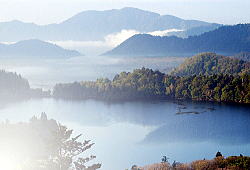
(95, 25)
(34, 48)
(133, 9)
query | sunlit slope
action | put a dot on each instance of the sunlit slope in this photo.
(211, 63)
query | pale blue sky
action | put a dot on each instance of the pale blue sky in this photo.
(50, 11)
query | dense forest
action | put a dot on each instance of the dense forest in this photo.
(227, 40)
(14, 86)
(211, 63)
(146, 84)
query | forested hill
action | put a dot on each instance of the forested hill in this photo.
(13, 86)
(225, 40)
(146, 84)
(211, 63)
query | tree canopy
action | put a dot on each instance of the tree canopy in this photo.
(146, 84)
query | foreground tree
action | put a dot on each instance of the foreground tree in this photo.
(68, 151)
(44, 145)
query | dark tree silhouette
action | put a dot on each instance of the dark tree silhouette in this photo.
(218, 154)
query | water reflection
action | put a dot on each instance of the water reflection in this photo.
(231, 129)
(144, 131)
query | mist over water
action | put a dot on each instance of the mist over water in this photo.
(46, 72)
(131, 132)
(134, 119)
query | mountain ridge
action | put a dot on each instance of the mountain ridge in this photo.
(35, 48)
(217, 41)
(95, 25)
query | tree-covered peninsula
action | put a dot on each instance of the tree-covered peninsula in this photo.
(147, 84)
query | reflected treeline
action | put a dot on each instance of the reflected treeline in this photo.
(226, 128)
(14, 87)
(43, 144)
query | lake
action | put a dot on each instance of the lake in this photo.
(133, 132)
(142, 132)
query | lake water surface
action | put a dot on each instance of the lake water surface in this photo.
(142, 132)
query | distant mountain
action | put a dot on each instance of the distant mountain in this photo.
(32, 48)
(211, 63)
(95, 25)
(195, 31)
(224, 40)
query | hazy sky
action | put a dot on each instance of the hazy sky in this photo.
(50, 11)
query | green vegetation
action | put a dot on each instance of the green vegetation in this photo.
(211, 63)
(141, 84)
(146, 84)
(205, 77)
(219, 88)
(218, 163)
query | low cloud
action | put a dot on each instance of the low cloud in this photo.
(110, 41)
(164, 32)
(117, 38)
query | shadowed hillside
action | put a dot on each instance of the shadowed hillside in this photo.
(35, 48)
(227, 40)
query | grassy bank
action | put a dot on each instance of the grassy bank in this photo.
(218, 163)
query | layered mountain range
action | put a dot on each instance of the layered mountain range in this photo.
(95, 25)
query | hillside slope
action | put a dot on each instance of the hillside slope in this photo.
(211, 63)
(35, 48)
(225, 40)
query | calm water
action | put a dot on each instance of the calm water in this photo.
(142, 132)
